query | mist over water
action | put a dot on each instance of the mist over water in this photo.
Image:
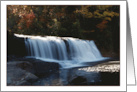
(67, 51)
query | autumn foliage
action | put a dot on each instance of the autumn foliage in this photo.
(93, 22)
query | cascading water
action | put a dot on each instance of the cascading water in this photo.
(67, 51)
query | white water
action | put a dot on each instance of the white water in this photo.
(67, 51)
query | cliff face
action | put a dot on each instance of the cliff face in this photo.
(15, 45)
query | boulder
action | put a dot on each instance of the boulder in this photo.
(28, 72)
(43, 69)
(18, 76)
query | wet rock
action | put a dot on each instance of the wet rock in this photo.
(28, 72)
(43, 69)
(25, 65)
(22, 83)
(18, 76)
(80, 80)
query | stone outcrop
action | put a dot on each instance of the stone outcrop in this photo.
(28, 72)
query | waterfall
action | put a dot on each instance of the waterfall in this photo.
(67, 51)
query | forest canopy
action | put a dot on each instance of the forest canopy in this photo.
(92, 22)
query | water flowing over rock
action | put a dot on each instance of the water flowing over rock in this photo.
(67, 51)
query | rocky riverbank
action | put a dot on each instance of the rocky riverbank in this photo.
(28, 71)
(33, 72)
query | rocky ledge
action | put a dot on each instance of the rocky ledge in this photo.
(28, 72)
